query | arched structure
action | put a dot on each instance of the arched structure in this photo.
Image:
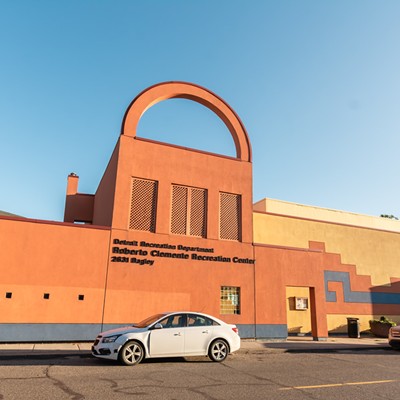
(170, 90)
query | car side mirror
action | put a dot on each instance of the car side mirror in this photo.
(158, 326)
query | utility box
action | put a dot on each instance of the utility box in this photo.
(353, 327)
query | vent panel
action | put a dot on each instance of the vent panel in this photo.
(230, 216)
(189, 211)
(143, 205)
(198, 214)
(179, 210)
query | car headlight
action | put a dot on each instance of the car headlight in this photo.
(110, 339)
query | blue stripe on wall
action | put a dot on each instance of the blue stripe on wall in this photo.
(263, 331)
(356, 297)
(48, 332)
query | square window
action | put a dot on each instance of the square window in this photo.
(46, 296)
(230, 300)
(8, 295)
(81, 297)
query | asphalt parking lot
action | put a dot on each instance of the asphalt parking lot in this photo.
(293, 369)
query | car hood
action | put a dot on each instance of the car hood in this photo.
(122, 331)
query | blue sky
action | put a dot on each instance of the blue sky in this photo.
(316, 83)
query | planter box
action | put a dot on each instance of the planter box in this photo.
(380, 329)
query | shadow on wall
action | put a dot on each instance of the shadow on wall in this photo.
(341, 329)
(385, 301)
(295, 330)
(299, 332)
(370, 303)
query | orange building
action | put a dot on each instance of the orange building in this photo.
(173, 228)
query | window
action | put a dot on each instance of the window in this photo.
(174, 321)
(46, 296)
(200, 320)
(230, 216)
(81, 297)
(188, 211)
(8, 295)
(230, 300)
(143, 205)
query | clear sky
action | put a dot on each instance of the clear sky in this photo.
(316, 83)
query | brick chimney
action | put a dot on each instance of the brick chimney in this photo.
(72, 184)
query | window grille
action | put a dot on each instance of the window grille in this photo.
(143, 205)
(230, 216)
(179, 210)
(230, 300)
(189, 211)
(198, 212)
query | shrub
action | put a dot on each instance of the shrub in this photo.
(383, 320)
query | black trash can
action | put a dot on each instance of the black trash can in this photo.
(353, 327)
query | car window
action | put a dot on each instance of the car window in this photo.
(200, 320)
(173, 321)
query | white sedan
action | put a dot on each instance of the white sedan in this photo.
(176, 334)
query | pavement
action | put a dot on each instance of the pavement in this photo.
(290, 345)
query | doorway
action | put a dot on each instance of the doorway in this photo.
(298, 311)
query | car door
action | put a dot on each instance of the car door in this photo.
(169, 339)
(198, 334)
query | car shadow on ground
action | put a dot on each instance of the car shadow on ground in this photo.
(81, 359)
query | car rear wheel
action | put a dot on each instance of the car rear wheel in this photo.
(218, 350)
(131, 353)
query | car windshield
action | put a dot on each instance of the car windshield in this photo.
(148, 321)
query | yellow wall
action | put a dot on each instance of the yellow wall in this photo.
(354, 244)
(324, 214)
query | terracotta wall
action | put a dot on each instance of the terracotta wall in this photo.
(279, 267)
(134, 291)
(104, 197)
(63, 260)
(171, 284)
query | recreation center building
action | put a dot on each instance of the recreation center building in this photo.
(171, 228)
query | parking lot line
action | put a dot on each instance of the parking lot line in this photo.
(340, 384)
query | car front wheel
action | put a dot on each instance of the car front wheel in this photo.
(131, 353)
(218, 350)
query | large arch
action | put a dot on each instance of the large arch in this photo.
(169, 90)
